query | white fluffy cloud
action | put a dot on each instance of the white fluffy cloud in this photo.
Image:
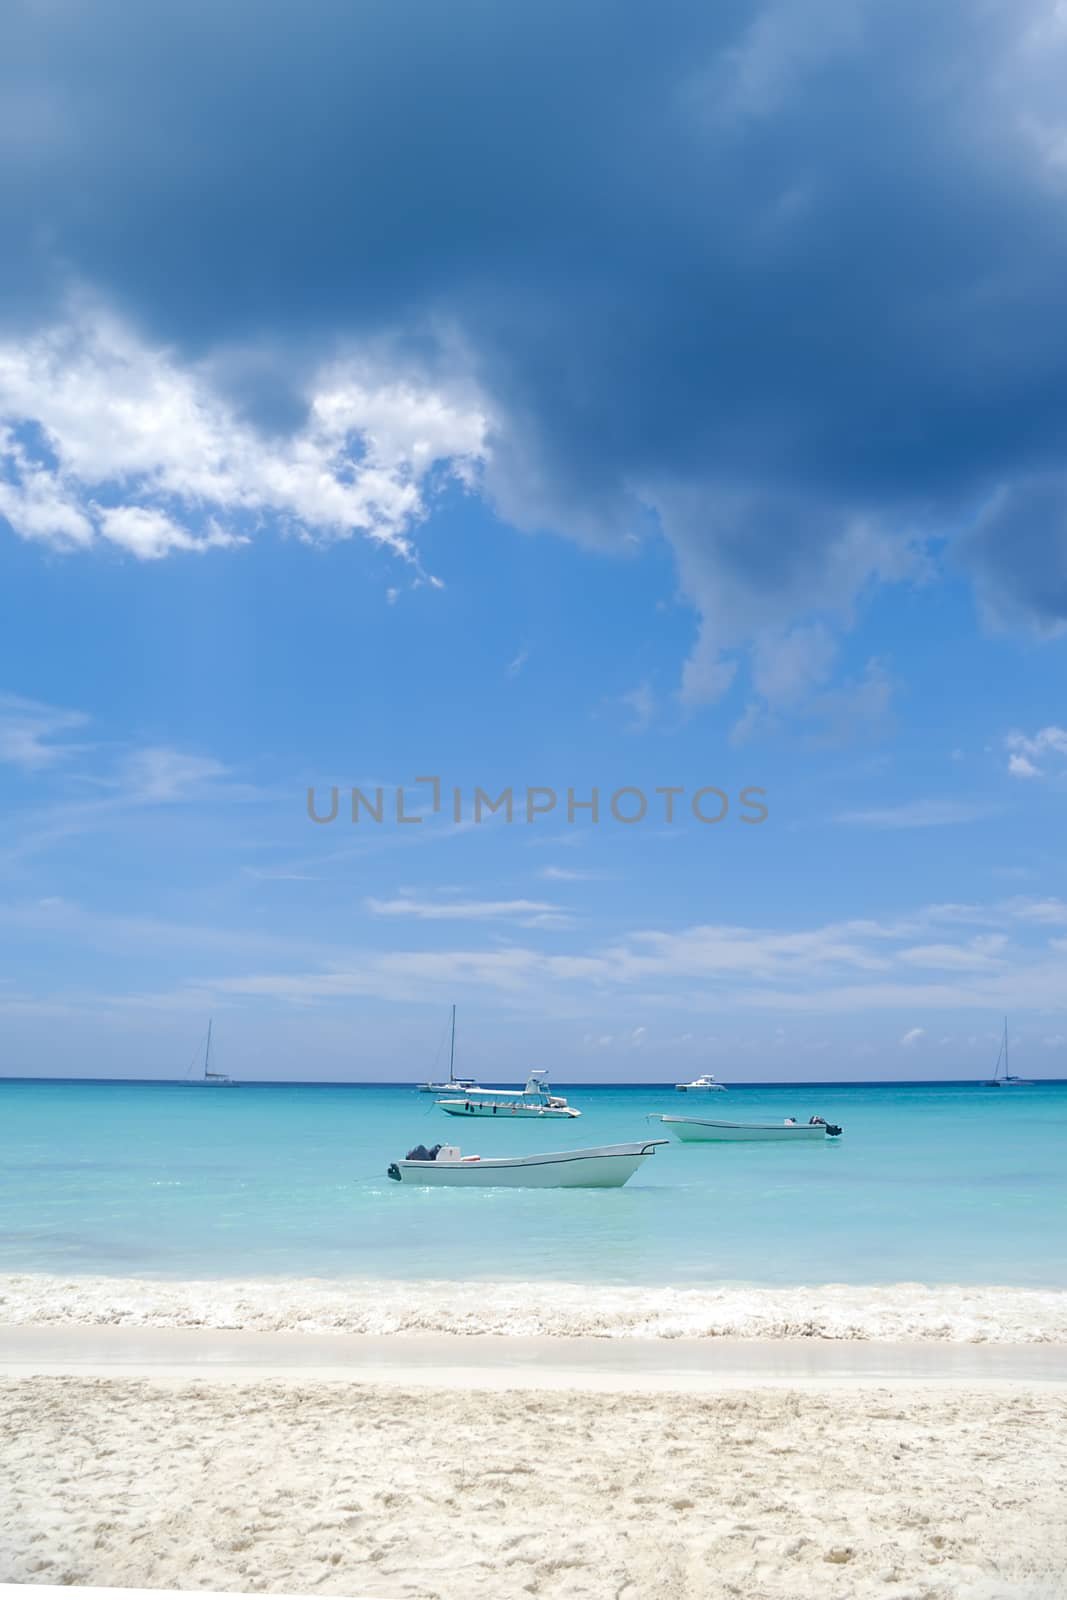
(1027, 750)
(105, 437)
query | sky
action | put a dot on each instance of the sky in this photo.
(544, 400)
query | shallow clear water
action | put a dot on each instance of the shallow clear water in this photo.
(936, 1183)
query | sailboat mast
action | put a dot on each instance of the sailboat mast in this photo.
(1007, 1071)
(452, 1050)
(207, 1049)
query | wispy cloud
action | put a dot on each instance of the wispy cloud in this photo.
(516, 664)
(538, 913)
(113, 786)
(642, 703)
(1049, 911)
(912, 1037)
(159, 773)
(916, 814)
(849, 968)
(975, 955)
(569, 875)
(279, 875)
(31, 733)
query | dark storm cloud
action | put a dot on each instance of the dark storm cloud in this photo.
(793, 276)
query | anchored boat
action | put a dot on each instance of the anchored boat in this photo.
(701, 1130)
(536, 1100)
(454, 1085)
(606, 1166)
(1005, 1079)
(211, 1079)
(705, 1084)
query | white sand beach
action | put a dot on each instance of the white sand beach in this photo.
(557, 1478)
(484, 1442)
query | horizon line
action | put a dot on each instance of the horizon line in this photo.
(571, 1083)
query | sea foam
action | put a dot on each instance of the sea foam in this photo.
(904, 1311)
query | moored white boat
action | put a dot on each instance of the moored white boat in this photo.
(702, 1130)
(535, 1100)
(606, 1166)
(705, 1084)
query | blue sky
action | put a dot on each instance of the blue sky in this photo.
(584, 397)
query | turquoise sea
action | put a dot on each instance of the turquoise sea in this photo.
(945, 1183)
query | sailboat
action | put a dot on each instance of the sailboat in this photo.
(454, 1085)
(1005, 1080)
(213, 1080)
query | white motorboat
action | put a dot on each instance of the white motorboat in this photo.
(606, 1166)
(452, 1085)
(705, 1084)
(702, 1130)
(536, 1100)
(1005, 1079)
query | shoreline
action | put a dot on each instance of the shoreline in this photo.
(847, 1313)
(493, 1362)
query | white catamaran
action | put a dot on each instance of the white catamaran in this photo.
(1005, 1079)
(705, 1084)
(212, 1080)
(535, 1100)
(454, 1085)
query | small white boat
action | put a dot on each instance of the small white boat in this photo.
(701, 1130)
(453, 1085)
(536, 1100)
(606, 1166)
(705, 1084)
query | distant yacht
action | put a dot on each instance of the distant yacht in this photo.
(705, 1084)
(213, 1080)
(1005, 1079)
(454, 1085)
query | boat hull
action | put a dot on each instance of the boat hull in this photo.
(607, 1167)
(700, 1088)
(691, 1130)
(492, 1108)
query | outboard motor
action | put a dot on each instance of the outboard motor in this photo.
(831, 1127)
